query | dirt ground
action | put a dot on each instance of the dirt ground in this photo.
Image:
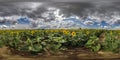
(70, 54)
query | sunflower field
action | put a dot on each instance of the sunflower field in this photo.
(54, 40)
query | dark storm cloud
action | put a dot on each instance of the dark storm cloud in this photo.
(80, 8)
(23, 8)
(15, 8)
(74, 8)
(58, 0)
(84, 8)
(8, 9)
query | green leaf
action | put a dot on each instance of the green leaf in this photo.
(96, 48)
(36, 48)
(1, 44)
(90, 42)
(24, 48)
(59, 39)
(55, 47)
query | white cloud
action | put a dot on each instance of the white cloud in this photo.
(105, 27)
(56, 24)
(52, 18)
(88, 22)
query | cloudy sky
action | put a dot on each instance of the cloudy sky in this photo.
(55, 14)
(60, 0)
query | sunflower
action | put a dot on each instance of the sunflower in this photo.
(66, 32)
(32, 32)
(73, 33)
(56, 30)
(51, 31)
(17, 33)
(46, 31)
(11, 33)
(87, 32)
(111, 33)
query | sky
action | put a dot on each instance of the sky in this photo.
(60, 0)
(56, 14)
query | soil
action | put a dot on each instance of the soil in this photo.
(69, 54)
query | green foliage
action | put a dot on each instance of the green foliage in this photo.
(55, 40)
(93, 44)
(112, 44)
(1, 44)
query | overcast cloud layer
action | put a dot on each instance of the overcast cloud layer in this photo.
(59, 0)
(62, 13)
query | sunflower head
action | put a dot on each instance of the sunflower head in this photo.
(66, 32)
(73, 33)
(87, 32)
(32, 32)
(111, 33)
(46, 31)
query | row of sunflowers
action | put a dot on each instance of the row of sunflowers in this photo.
(54, 40)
